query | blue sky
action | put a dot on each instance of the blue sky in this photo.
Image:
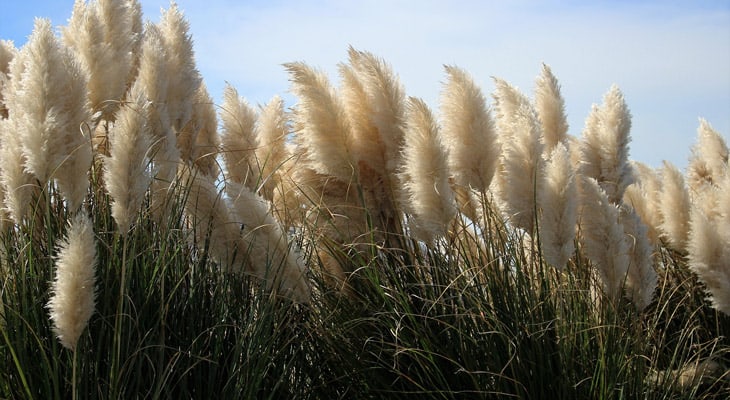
(671, 59)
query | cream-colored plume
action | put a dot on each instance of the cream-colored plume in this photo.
(101, 34)
(321, 125)
(238, 139)
(558, 203)
(265, 246)
(73, 295)
(18, 184)
(425, 175)
(274, 158)
(127, 170)
(602, 236)
(198, 140)
(643, 197)
(708, 164)
(674, 205)
(468, 131)
(709, 245)
(605, 145)
(550, 109)
(641, 279)
(50, 110)
(214, 226)
(518, 179)
(181, 72)
(7, 53)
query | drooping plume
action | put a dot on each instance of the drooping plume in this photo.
(265, 245)
(425, 175)
(605, 145)
(550, 109)
(73, 295)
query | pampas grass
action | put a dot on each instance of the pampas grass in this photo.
(605, 145)
(218, 282)
(101, 33)
(708, 164)
(517, 182)
(73, 293)
(641, 279)
(550, 109)
(602, 236)
(127, 171)
(674, 205)
(643, 197)
(265, 245)
(468, 131)
(238, 140)
(558, 213)
(7, 52)
(709, 249)
(425, 176)
(321, 125)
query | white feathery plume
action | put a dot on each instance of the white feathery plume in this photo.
(271, 152)
(238, 139)
(643, 197)
(181, 71)
(386, 97)
(708, 164)
(154, 81)
(375, 104)
(709, 252)
(50, 110)
(7, 53)
(605, 145)
(101, 34)
(558, 202)
(674, 205)
(265, 245)
(211, 217)
(18, 184)
(198, 140)
(641, 279)
(425, 174)
(126, 171)
(321, 124)
(507, 100)
(518, 181)
(550, 109)
(602, 236)
(468, 131)
(73, 295)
